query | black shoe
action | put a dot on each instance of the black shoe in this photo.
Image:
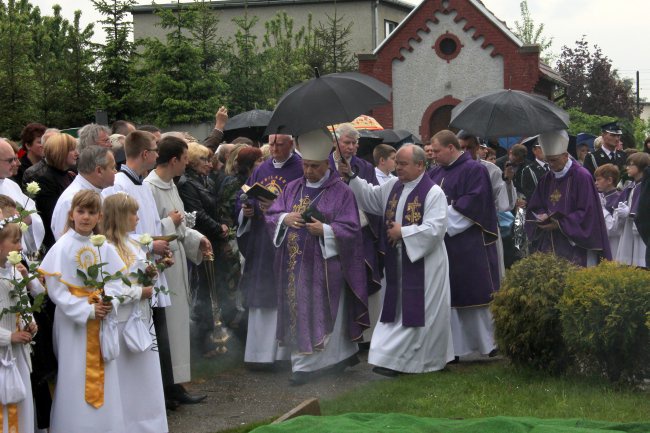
(340, 366)
(455, 361)
(385, 371)
(180, 394)
(171, 404)
(494, 352)
(299, 378)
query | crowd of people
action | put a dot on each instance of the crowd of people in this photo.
(152, 246)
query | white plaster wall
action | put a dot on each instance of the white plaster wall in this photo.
(423, 77)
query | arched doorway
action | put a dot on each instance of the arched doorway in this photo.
(437, 116)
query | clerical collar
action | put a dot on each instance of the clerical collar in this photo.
(135, 178)
(320, 182)
(564, 171)
(277, 164)
(414, 182)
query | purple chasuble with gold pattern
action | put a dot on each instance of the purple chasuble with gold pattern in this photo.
(311, 285)
(412, 273)
(573, 202)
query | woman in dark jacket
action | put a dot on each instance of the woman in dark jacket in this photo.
(32, 150)
(53, 176)
(196, 191)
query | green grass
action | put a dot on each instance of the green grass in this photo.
(489, 389)
(485, 389)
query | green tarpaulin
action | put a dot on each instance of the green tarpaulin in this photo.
(394, 422)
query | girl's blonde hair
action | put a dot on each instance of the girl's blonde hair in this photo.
(115, 220)
(84, 199)
(12, 232)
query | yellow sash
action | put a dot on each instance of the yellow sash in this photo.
(94, 360)
(12, 422)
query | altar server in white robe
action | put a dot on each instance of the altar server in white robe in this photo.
(96, 167)
(87, 393)
(14, 342)
(631, 248)
(189, 245)
(414, 332)
(138, 366)
(33, 237)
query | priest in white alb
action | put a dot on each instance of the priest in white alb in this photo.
(414, 331)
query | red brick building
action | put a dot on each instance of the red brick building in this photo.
(445, 51)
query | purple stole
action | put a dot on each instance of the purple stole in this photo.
(412, 272)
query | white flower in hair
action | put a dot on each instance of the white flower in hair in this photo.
(97, 240)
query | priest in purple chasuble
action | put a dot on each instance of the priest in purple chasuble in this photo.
(564, 215)
(471, 243)
(322, 305)
(258, 282)
(414, 331)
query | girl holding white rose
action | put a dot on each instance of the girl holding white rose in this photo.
(138, 366)
(87, 394)
(17, 407)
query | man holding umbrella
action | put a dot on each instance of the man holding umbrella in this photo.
(564, 214)
(323, 301)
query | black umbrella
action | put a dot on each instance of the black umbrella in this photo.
(397, 136)
(368, 140)
(327, 100)
(249, 124)
(505, 113)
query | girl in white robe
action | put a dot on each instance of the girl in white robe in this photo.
(87, 393)
(11, 337)
(141, 387)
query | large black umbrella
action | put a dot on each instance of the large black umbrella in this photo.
(397, 136)
(249, 124)
(505, 113)
(327, 100)
(368, 140)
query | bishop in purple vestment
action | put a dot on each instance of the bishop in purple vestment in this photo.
(258, 282)
(471, 243)
(322, 307)
(564, 214)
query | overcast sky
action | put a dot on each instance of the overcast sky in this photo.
(620, 28)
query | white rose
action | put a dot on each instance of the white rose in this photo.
(145, 239)
(97, 240)
(33, 188)
(14, 257)
(23, 227)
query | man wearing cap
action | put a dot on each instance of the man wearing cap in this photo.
(533, 172)
(258, 282)
(564, 213)
(607, 154)
(472, 234)
(323, 300)
(414, 331)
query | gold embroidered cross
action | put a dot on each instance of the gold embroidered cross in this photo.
(555, 197)
(302, 205)
(392, 205)
(413, 214)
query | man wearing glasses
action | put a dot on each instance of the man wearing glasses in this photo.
(33, 238)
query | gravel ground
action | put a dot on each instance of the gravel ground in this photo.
(239, 396)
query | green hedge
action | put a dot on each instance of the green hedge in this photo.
(527, 322)
(605, 315)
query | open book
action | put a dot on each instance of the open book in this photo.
(258, 191)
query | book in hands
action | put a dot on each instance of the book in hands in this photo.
(315, 213)
(258, 191)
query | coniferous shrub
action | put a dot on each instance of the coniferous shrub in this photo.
(605, 314)
(527, 321)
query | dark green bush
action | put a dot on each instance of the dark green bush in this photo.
(527, 321)
(605, 320)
